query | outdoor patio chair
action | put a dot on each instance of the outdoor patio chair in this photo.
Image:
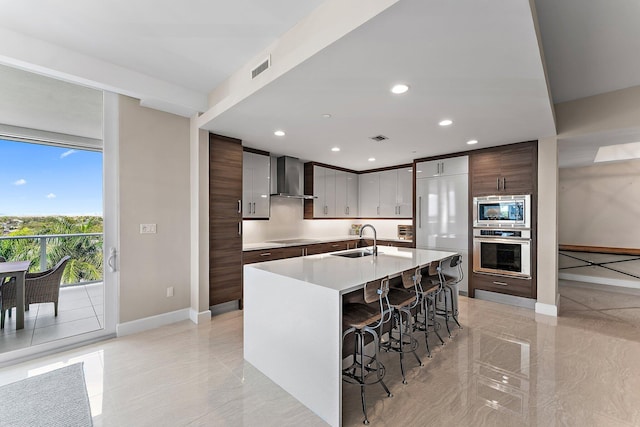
(44, 286)
(40, 287)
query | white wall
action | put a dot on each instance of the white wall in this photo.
(154, 188)
(287, 222)
(599, 205)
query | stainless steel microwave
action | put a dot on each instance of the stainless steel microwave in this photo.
(502, 211)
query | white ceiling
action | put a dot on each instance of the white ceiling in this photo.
(591, 47)
(475, 61)
(194, 44)
(453, 55)
(32, 101)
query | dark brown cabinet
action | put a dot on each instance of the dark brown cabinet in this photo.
(504, 170)
(249, 257)
(225, 220)
(504, 285)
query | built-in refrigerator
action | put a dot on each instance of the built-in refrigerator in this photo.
(442, 208)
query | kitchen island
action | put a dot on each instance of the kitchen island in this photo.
(293, 318)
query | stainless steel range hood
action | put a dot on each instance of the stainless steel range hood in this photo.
(289, 178)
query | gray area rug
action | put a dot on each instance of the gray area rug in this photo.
(53, 399)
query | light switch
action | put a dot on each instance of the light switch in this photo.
(147, 229)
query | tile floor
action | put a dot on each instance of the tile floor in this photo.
(507, 367)
(80, 310)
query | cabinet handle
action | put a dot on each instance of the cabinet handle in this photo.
(442, 167)
(240, 206)
(334, 246)
(240, 228)
(438, 172)
(501, 283)
(265, 254)
(254, 207)
(504, 183)
(378, 210)
(347, 210)
(498, 183)
(420, 212)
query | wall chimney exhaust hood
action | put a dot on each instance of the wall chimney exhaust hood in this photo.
(289, 178)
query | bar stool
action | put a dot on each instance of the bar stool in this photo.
(446, 283)
(362, 319)
(428, 292)
(402, 301)
(450, 280)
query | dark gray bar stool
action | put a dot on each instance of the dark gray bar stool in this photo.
(428, 292)
(362, 319)
(402, 301)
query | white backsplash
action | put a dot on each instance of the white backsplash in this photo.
(287, 222)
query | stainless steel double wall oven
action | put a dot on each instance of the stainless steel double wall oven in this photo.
(502, 235)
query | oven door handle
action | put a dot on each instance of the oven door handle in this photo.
(513, 241)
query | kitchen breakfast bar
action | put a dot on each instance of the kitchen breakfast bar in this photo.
(293, 318)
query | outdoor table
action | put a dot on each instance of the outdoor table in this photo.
(17, 269)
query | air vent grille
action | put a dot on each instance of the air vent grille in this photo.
(379, 138)
(261, 68)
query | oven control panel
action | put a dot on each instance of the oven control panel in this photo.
(509, 234)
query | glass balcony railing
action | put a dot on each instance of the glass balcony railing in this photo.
(44, 251)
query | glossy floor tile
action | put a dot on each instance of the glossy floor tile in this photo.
(80, 310)
(506, 367)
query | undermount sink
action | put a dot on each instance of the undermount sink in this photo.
(354, 254)
(294, 241)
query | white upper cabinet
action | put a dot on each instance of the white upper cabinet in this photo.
(324, 189)
(387, 194)
(346, 194)
(443, 167)
(256, 176)
(369, 195)
(404, 193)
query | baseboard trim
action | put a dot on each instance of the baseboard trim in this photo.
(634, 284)
(152, 322)
(505, 299)
(548, 309)
(201, 317)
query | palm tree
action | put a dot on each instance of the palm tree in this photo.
(85, 251)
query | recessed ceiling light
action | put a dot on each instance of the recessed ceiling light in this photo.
(372, 159)
(279, 133)
(472, 141)
(326, 116)
(446, 122)
(335, 149)
(399, 88)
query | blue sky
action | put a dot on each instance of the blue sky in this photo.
(45, 180)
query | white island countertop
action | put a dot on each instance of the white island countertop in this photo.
(347, 274)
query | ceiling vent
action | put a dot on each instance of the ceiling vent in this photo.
(264, 66)
(379, 138)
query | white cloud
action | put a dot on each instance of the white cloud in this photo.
(67, 153)
(51, 196)
(21, 181)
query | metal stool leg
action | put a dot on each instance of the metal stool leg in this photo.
(454, 308)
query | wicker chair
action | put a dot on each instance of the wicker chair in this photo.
(44, 286)
(41, 287)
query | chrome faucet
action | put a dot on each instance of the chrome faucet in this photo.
(375, 237)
